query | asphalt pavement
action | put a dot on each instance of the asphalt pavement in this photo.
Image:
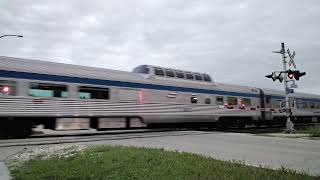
(274, 152)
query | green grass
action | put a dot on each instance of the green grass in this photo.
(119, 162)
(313, 131)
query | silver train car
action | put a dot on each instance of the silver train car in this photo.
(36, 92)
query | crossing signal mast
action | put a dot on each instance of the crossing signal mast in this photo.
(283, 76)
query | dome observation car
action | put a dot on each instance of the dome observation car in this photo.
(172, 73)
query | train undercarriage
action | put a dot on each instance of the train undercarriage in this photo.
(21, 127)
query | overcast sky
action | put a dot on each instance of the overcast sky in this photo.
(230, 40)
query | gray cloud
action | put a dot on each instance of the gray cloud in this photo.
(230, 40)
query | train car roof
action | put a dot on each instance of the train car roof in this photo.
(47, 67)
(62, 69)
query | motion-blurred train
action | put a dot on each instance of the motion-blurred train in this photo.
(60, 95)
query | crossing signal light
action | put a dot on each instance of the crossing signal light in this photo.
(290, 74)
(280, 77)
(298, 74)
(295, 74)
(274, 77)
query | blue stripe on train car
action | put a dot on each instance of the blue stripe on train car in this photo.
(70, 79)
(80, 80)
(297, 98)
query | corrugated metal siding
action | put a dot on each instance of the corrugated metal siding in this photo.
(56, 107)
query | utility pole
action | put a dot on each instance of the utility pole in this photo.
(283, 76)
(289, 123)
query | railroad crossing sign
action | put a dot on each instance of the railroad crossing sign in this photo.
(291, 62)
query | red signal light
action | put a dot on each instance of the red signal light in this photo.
(295, 74)
(290, 76)
(5, 89)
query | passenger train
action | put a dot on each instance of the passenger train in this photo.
(39, 92)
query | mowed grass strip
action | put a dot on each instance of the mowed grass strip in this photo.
(312, 131)
(119, 162)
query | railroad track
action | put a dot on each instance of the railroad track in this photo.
(266, 129)
(46, 140)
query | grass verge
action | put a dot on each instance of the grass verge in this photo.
(312, 131)
(119, 162)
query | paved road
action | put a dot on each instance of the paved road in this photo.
(274, 152)
(299, 154)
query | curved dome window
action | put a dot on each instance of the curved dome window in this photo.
(189, 76)
(180, 74)
(169, 73)
(159, 72)
(206, 77)
(198, 77)
(141, 69)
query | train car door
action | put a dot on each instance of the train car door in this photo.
(267, 101)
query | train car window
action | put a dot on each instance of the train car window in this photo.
(159, 72)
(232, 101)
(282, 104)
(180, 74)
(268, 98)
(219, 100)
(93, 93)
(206, 77)
(48, 90)
(277, 103)
(64, 94)
(305, 105)
(312, 105)
(141, 69)
(207, 101)
(198, 77)
(169, 73)
(84, 95)
(194, 99)
(299, 105)
(8, 87)
(246, 101)
(189, 76)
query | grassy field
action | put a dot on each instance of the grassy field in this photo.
(313, 131)
(118, 162)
